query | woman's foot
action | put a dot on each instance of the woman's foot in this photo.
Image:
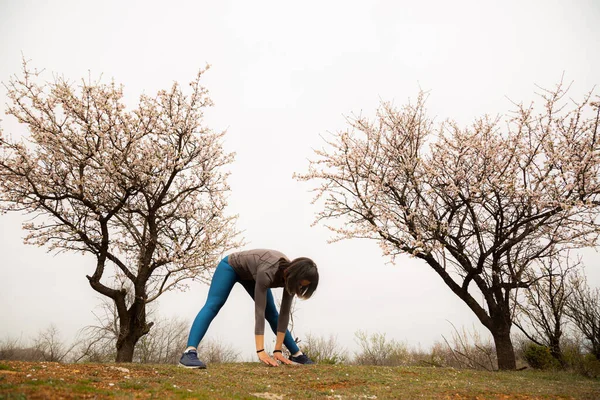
(301, 359)
(189, 359)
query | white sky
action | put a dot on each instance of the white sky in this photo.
(282, 74)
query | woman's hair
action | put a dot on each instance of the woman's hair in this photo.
(300, 269)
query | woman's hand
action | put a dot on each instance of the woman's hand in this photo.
(279, 357)
(264, 357)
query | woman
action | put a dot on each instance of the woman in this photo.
(257, 271)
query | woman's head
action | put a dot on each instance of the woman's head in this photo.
(301, 277)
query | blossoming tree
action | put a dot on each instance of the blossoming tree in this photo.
(142, 191)
(481, 205)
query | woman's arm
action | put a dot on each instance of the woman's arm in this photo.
(261, 353)
(282, 325)
(277, 353)
(260, 304)
(284, 312)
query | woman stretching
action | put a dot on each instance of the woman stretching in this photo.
(257, 271)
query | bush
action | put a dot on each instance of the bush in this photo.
(439, 355)
(377, 350)
(46, 346)
(579, 361)
(324, 350)
(164, 343)
(213, 351)
(590, 366)
(539, 357)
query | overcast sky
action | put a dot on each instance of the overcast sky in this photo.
(282, 74)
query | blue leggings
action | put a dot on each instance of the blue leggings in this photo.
(220, 287)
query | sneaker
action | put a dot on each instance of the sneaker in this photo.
(301, 359)
(189, 359)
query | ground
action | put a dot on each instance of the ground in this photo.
(45, 380)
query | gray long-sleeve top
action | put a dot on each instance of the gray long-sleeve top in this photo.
(262, 267)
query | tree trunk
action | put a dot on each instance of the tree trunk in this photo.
(596, 350)
(125, 350)
(556, 351)
(498, 322)
(132, 326)
(504, 349)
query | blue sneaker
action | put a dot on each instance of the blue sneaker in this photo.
(301, 359)
(189, 359)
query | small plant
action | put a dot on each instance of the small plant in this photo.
(4, 367)
(590, 366)
(539, 357)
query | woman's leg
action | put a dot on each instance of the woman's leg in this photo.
(220, 287)
(271, 315)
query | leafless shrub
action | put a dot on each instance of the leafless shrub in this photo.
(470, 350)
(375, 349)
(15, 349)
(94, 349)
(213, 351)
(583, 309)
(8, 347)
(97, 342)
(540, 312)
(437, 356)
(50, 345)
(46, 346)
(324, 350)
(164, 343)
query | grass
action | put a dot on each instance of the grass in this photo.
(255, 381)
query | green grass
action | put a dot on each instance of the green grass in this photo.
(252, 381)
(10, 396)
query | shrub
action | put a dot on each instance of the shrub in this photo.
(590, 366)
(324, 350)
(539, 357)
(468, 349)
(578, 360)
(214, 351)
(377, 350)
